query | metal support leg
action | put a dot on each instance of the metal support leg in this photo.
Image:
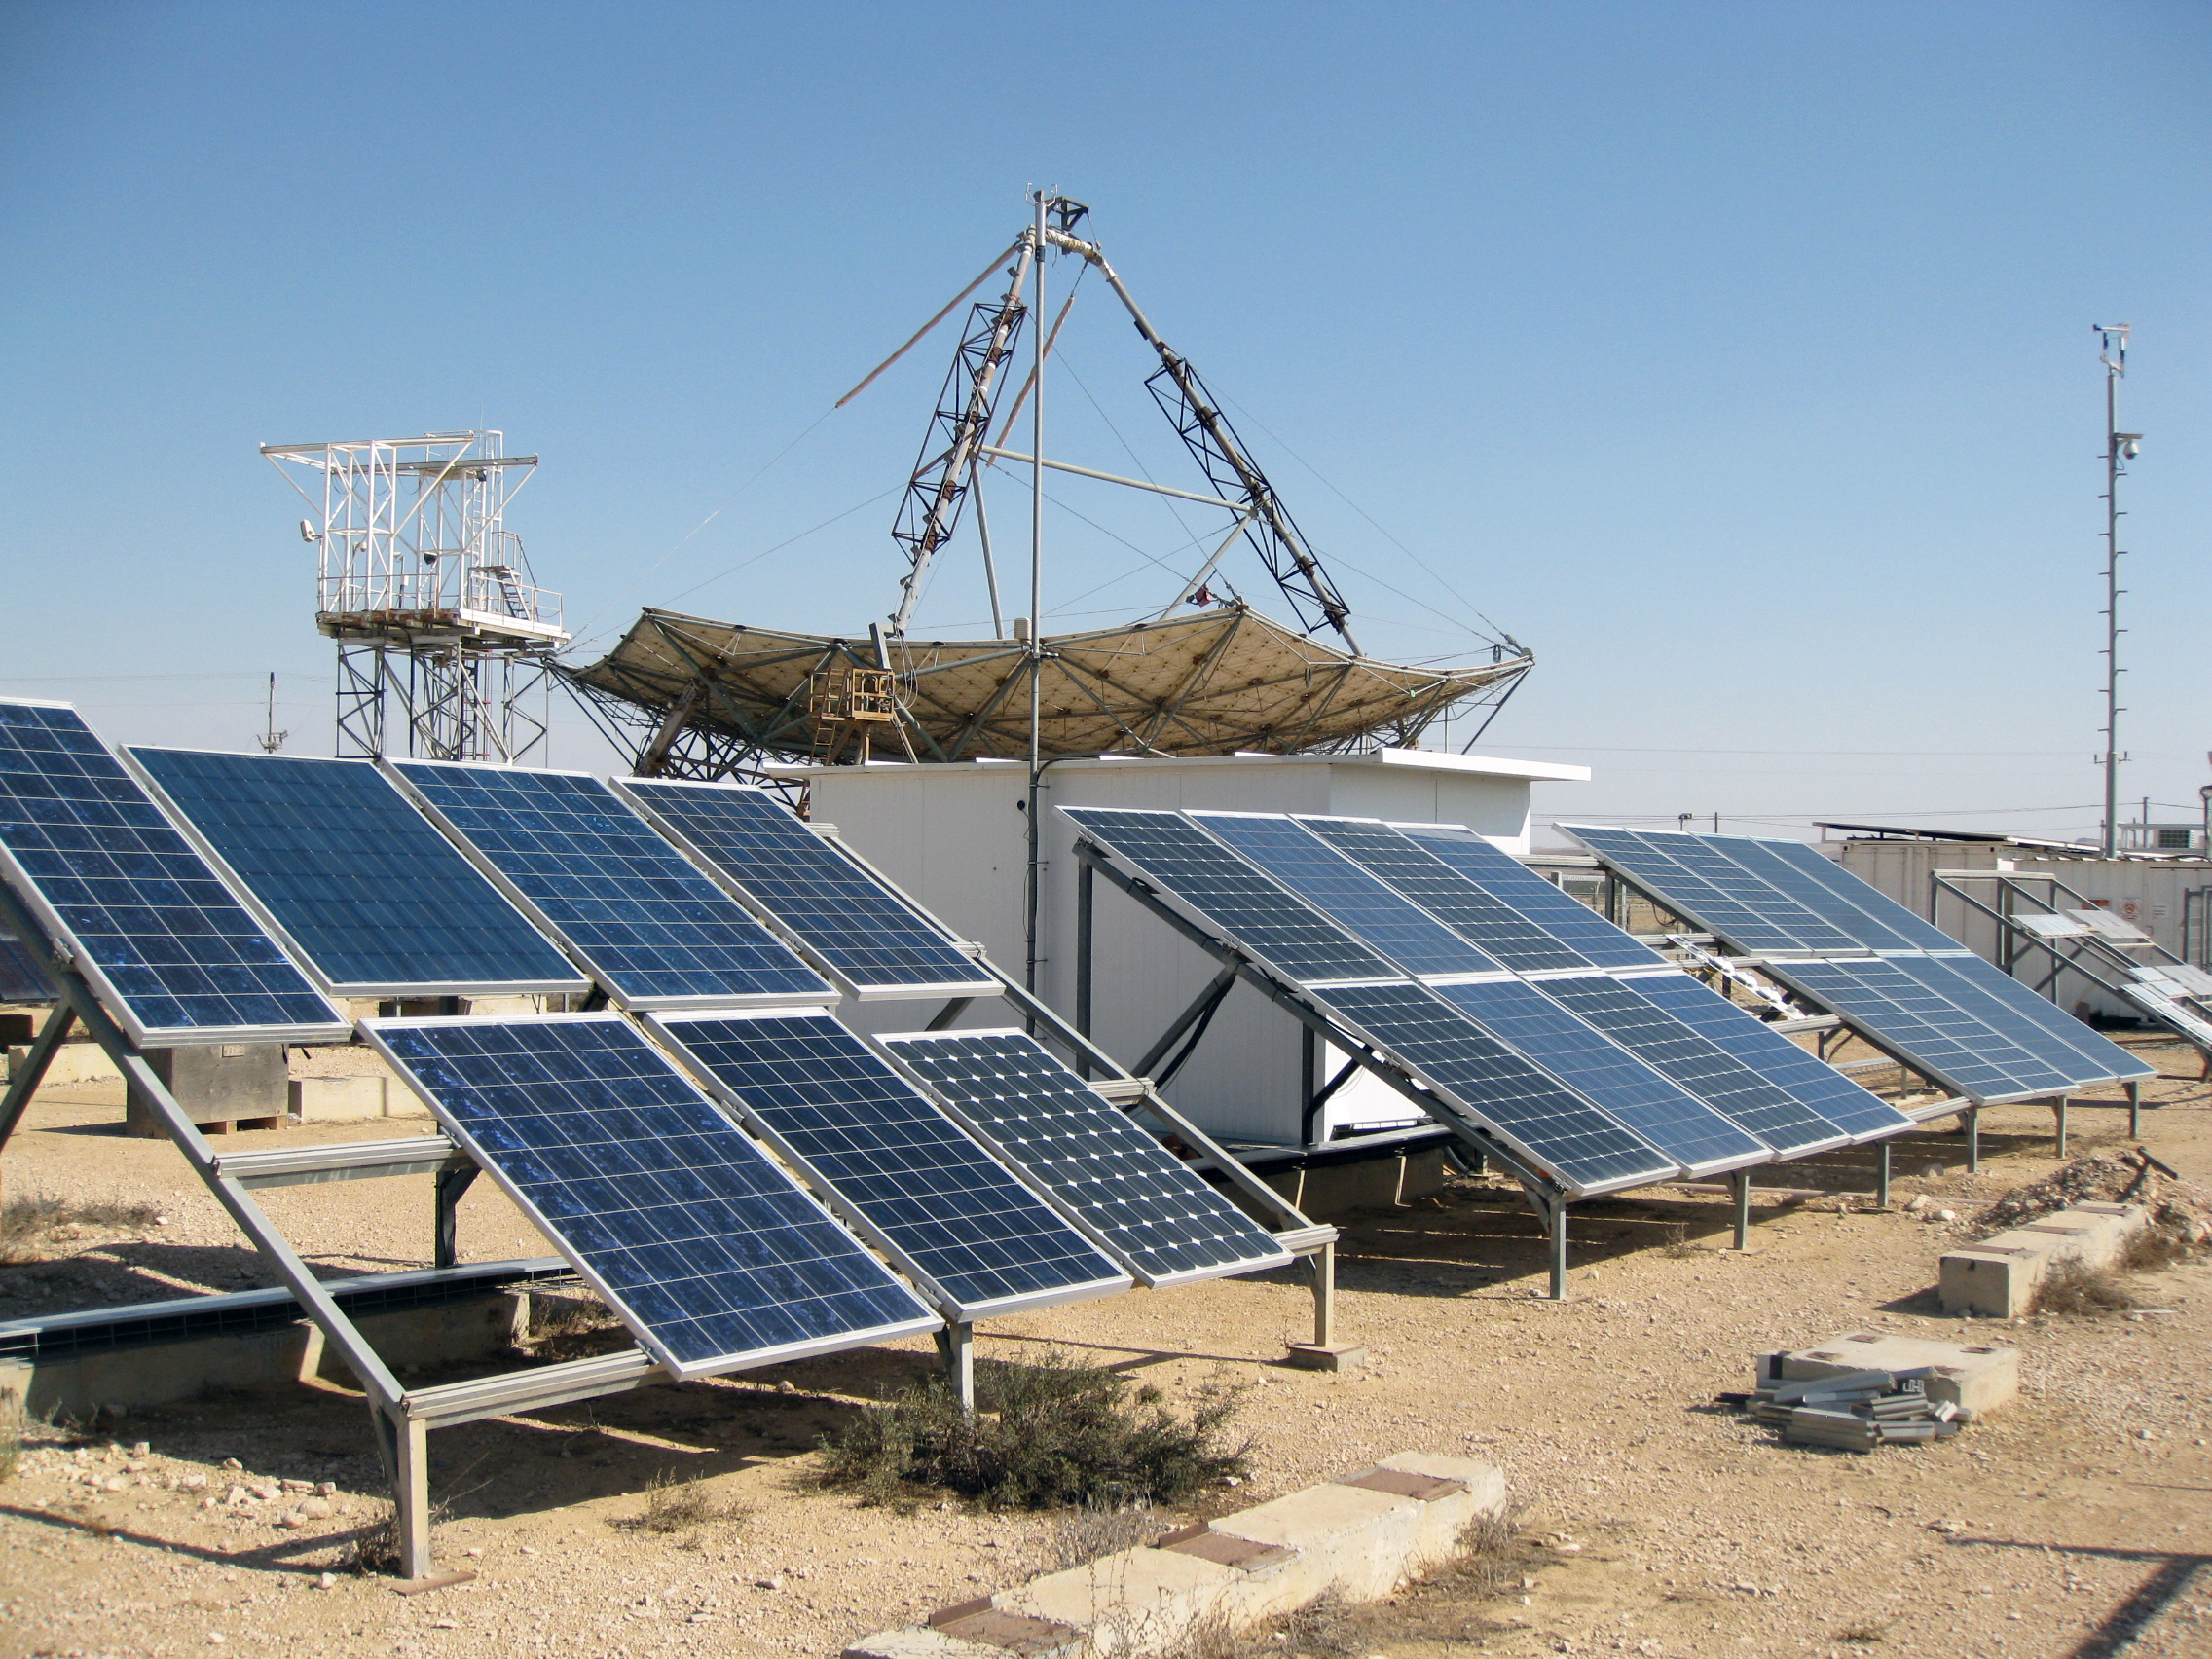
(1308, 1081)
(1740, 1186)
(1558, 1220)
(2060, 1106)
(1086, 902)
(450, 1184)
(2135, 1104)
(1322, 1269)
(1882, 1177)
(1973, 1140)
(950, 1012)
(956, 1345)
(25, 1084)
(411, 1494)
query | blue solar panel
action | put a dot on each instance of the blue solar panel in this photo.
(868, 934)
(1755, 1102)
(1475, 914)
(714, 1256)
(908, 1175)
(1686, 1130)
(1832, 891)
(1814, 1083)
(21, 979)
(1155, 1212)
(174, 957)
(1536, 1115)
(376, 899)
(1877, 995)
(1505, 878)
(1256, 911)
(651, 928)
(1376, 914)
(2048, 1032)
(1711, 890)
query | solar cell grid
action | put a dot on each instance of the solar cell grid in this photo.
(1710, 891)
(1884, 914)
(1151, 1209)
(653, 930)
(913, 1178)
(175, 957)
(21, 979)
(1505, 878)
(2001, 1002)
(711, 1254)
(374, 898)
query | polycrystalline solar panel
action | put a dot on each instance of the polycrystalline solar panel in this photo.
(1813, 1081)
(373, 898)
(710, 1253)
(1933, 1031)
(21, 979)
(905, 1175)
(2178, 1016)
(176, 958)
(652, 929)
(1152, 1210)
(1684, 1127)
(1531, 1112)
(1505, 878)
(1376, 914)
(1712, 891)
(869, 937)
(1474, 913)
(2045, 1030)
(1883, 915)
(1254, 910)
(1758, 1104)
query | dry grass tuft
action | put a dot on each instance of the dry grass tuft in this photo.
(28, 1224)
(682, 1506)
(2076, 1290)
(573, 1327)
(10, 1431)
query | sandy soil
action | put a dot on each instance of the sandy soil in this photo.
(2078, 1523)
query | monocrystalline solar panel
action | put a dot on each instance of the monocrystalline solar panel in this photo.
(1150, 1208)
(714, 1256)
(1712, 891)
(1571, 1048)
(901, 1170)
(870, 936)
(1536, 1115)
(1254, 910)
(1879, 997)
(1377, 914)
(1473, 913)
(174, 957)
(1811, 1081)
(651, 928)
(1758, 1104)
(1505, 878)
(373, 898)
(2045, 1030)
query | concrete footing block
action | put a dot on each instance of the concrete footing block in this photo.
(1998, 1277)
(1327, 1356)
(1977, 1378)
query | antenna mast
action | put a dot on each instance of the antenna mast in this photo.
(2120, 447)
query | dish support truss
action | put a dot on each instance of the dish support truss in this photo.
(401, 1418)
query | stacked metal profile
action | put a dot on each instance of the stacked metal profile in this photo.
(1855, 1411)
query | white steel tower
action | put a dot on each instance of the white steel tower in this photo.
(443, 640)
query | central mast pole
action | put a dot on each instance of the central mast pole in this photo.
(2118, 445)
(1030, 892)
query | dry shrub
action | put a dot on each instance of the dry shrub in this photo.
(1057, 1433)
(10, 1431)
(682, 1506)
(374, 1550)
(2074, 1288)
(27, 1225)
(573, 1327)
(1081, 1535)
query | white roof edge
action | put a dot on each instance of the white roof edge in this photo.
(1418, 760)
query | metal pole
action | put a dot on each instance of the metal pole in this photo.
(1881, 1178)
(1558, 1220)
(1321, 1268)
(1740, 1182)
(1085, 902)
(1035, 607)
(2060, 1106)
(1973, 1140)
(2114, 359)
(2135, 1110)
(956, 1346)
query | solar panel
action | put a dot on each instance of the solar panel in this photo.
(1505, 878)
(1376, 914)
(1883, 915)
(1930, 1030)
(1471, 911)
(2007, 1005)
(1813, 1081)
(1542, 1031)
(1252, 908)
(354, 879)
(2179, 1015)
(1711, 890)
(174, 957)
(1153, 1211)
(902, 1172)
(1760, 1104)
(714, 1256)
(869, 937)
(21, 979)
(1533, 1113)
(650, 928)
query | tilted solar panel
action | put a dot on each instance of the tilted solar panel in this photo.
(1867, 916)
(1373, 912)
(1257, 911)
(713, 1255)
(174, 957)
(870, 936)
(373, 898)
(1753, 1101)
(1712, 891)
(1542, 1031)
(1561, 914)
(902, 1172)
(21, 979)
(1153, 1211)
(651, 929)
(1547, 1124)
(2047, 1031)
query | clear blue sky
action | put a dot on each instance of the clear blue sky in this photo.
(1735, 359)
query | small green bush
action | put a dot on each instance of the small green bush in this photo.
(1057, 1433)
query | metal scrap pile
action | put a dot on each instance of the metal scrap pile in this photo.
(1855, 1411)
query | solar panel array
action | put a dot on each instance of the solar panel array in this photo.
(21, 979)
(374, 899)
(1153, 1211)
(174, 956)
(1921, 995)
(867, 935)
(912, 1178)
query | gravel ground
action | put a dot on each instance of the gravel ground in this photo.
(2076, 1522)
